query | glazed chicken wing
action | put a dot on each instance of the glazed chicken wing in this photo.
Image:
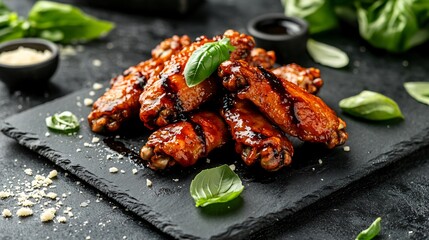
(306, 78)
(121, 101)
(166, 99)
(185, 142)
(291, 108)
(256, 139)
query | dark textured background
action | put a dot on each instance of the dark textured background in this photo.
(398, 193)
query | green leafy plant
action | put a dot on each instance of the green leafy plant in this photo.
(53, 21)
(418, 90)
(394, 25)
(65, 122)
(64, 23)
(372, 106)
(205, 60)
(215, 185)
(326, 54)
(371, 231)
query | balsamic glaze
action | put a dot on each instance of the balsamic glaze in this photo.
(278, 27)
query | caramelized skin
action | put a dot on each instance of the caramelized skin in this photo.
(306, 78)
(256, 139)
(167, 96)
(121, 101)
(291, 108)
(185, 142)
(166, 99)
(262, 57)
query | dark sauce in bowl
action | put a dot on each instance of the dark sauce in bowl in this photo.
(287, 36)
(278, 27)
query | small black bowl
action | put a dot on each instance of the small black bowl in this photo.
(287, 36)
(31, 76)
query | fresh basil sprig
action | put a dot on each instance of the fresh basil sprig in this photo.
(65, 122)
(418, 90)
(205, 60)
(215, 185)
(371, 231)
(327, 55)
(372, 106)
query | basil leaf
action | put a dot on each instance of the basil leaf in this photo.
(64, 23)
(205, 60)
(65, 122)
(370, 232)
(393, 25)
(327, 55)
(418, 90)
(319, 14)
(215, 185)
(372, 106)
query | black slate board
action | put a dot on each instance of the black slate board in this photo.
(267, 197)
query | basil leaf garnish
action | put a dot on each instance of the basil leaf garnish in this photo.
(65, 122)
(418, 90)
(370, 232)
(372, 106)
(327, 55)
(205, 60)
(215, 185)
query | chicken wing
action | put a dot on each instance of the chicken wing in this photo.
(185, 142)
(306, 78)
(121, 101)
(291, 108)
(167, 98)
(256, 139)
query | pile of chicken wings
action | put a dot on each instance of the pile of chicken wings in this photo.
(247, 101)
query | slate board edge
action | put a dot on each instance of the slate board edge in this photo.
(414, 144)
(33, 142)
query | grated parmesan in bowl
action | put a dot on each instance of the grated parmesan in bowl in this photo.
(28, 63)
(24, 56)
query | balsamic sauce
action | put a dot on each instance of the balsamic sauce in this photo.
(278, 27)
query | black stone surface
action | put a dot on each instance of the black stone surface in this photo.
(400, 200)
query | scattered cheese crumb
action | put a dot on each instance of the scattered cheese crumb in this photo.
(88, 237)
(91, 93)
(96, 63)
(208, 160)
(95, 140)
(88, 102)
(134, 171)
(51, 195)
(346, 148)
(113, 170)
(24, 212)
(97, 86)
(53, 174)
(27, 203)
(28, 171)
(62, 219)
(6, 213)
(78, 150)
(4, 194)
(122, 171)
(175, 179)
(232, 167)
(84, 204)
(148, 183)
(47, 134)
(48, 215)
(320, 161)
